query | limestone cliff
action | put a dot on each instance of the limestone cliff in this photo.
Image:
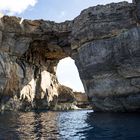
(29, 53)
(103, 40)
(106, 40)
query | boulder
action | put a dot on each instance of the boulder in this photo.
(82, 100)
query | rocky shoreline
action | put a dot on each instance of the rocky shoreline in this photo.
(70, 100)
(67, 100)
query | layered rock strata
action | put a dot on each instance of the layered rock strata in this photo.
(103, 40)
(107, 44)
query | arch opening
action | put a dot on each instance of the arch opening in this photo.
(68, 75)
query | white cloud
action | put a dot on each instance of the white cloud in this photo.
(12, 7)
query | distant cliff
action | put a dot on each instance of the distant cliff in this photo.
(103, 40)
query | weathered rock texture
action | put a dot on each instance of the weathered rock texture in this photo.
(82, 100)
(104, 41)
(69, 100)
(107, 41)
(29, 53)
(66, 99)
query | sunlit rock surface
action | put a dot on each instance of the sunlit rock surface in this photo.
(104, 41)
(82, 100)
(66, 99)
(29, 53)
(70, 100)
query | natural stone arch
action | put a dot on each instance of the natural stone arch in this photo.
(43, 57)
(103, 41)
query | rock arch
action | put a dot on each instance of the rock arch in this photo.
(103, 41)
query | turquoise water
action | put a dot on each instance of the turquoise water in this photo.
(71, 125)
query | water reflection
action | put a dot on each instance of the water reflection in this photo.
(29, 126)
(8, 127)
(71, 125)
(113, 126)
(38, 125)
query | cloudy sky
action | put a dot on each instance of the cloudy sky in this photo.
(56, 10)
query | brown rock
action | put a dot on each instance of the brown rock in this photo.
(81, 100)
(65, 95)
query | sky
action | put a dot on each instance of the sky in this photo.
(68, 75)
(58, 11)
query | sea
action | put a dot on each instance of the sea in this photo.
(69, 125)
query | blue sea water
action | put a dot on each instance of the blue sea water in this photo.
(70, 125)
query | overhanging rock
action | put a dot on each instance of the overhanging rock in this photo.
(103, 40)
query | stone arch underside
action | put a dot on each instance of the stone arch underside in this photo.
(104, 41)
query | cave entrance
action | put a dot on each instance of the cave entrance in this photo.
(68, 75)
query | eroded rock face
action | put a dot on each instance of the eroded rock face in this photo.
(29, 53)
(70, 100)
(104, 41)
(108, 56)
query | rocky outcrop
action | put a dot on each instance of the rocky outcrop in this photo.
(103, 40)
(29, 53)
(69, 100)
(66, 99)
(82, 100)
(107, 54)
